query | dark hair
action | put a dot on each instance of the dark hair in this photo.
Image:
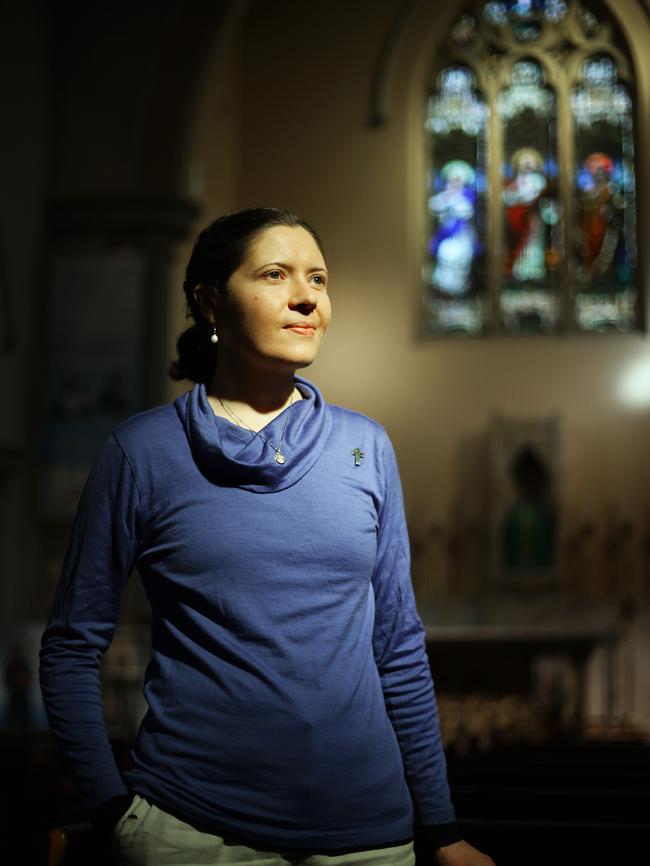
(218, 251)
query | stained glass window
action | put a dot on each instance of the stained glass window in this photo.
(530, 198)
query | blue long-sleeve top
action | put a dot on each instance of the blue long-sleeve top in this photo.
(290, 701)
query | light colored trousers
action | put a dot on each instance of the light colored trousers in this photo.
(147, 836)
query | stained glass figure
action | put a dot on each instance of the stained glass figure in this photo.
(598, 219)
(605, 249)
(522, 195)
(456, 119)
(454, 242)
(530, 294)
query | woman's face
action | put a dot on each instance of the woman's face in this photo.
(275, 310)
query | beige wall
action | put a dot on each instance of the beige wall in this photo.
(304, 73)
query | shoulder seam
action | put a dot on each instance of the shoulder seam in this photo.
(130, 465)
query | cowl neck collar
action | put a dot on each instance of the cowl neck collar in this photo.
(234, 456)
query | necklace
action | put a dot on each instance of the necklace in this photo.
(278, 455)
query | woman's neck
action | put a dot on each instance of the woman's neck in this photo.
(256, 397)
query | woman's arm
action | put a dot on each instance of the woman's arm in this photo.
(403, 665)
(82, 623)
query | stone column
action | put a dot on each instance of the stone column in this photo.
(107, 307)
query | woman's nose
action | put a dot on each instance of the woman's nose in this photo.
(303, 296)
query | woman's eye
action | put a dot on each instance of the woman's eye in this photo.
(274, 275)
(320, 280)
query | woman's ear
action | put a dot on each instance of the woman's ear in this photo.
(205, 302)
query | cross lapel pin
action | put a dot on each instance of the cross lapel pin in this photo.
(358, 455)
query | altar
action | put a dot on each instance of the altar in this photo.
(523, 655)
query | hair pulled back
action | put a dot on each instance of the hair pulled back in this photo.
(217, 253)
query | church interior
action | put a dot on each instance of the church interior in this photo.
(478, 173)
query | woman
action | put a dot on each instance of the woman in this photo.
(291, 712)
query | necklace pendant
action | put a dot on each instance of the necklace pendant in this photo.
(279, 457)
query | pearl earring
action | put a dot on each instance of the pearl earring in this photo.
(214, 338)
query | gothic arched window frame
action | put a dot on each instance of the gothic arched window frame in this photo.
(490, 54)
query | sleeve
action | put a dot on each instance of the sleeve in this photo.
(401, 657)
(83, 620)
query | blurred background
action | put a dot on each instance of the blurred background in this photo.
(479, 175)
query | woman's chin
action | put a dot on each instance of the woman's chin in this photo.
(293, 361)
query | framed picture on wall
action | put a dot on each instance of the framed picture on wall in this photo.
(524, 467)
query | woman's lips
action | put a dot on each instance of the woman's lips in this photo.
(305, 330)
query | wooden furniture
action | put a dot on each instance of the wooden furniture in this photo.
(493, 646)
